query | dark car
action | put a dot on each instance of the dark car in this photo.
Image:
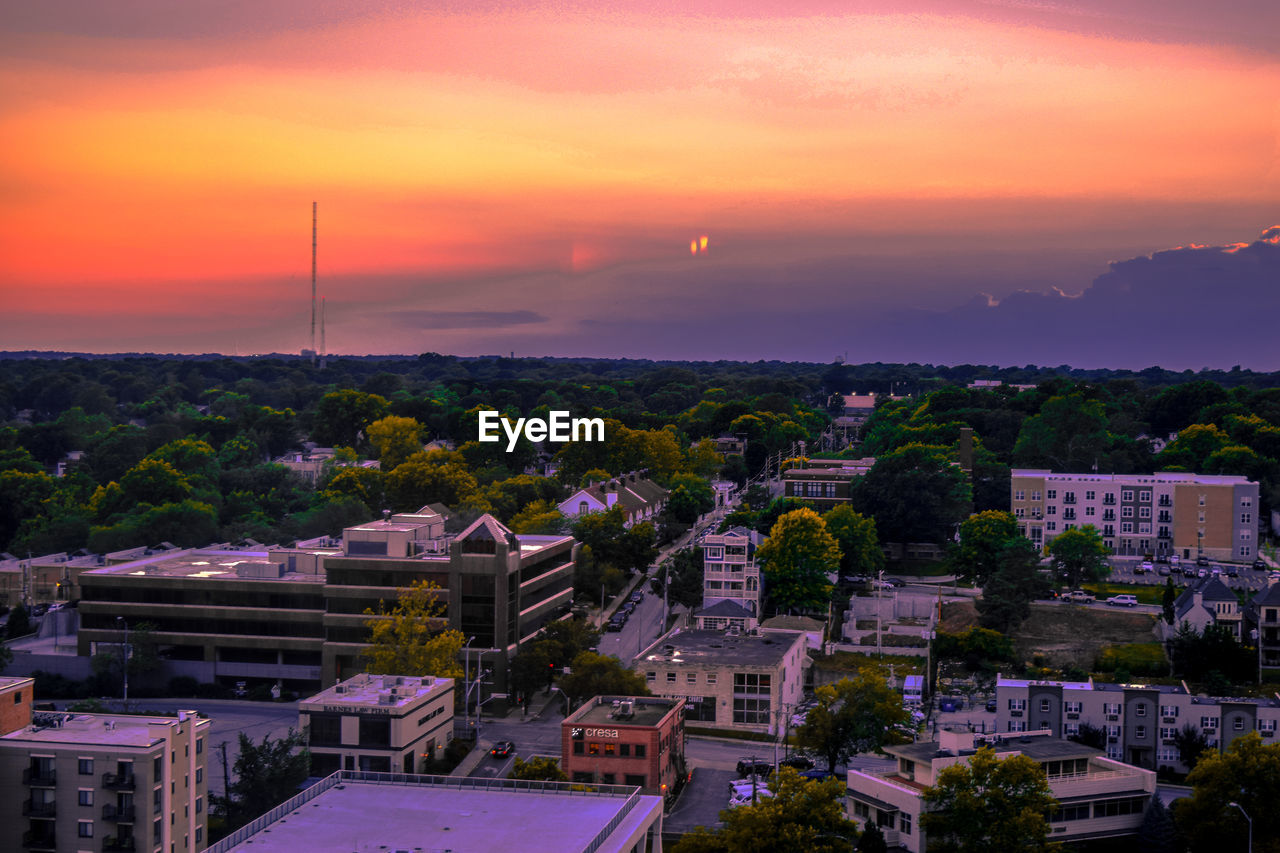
(627, 607)
(799, 762)
(950, 703)
(991, 705)
(1202, 560)
(637, 596)
(502, 749)
(758, 766)
(1260, 564)
(615, 624)
(1231, 571)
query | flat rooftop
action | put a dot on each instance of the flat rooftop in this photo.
(1036, 747)
(381, 691)
(208, 564)
(716, 647)
(647, 712)
(349, 814)
(54, 727)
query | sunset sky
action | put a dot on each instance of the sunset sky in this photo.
(529, 177)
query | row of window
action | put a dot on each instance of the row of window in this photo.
(651, 677)
(1126, 496)
(610, 750)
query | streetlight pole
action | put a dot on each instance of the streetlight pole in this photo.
(1246, 817)
(120, 620)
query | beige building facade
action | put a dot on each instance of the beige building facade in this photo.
(378, 723)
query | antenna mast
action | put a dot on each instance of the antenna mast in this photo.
(323, 350)
(313, 283)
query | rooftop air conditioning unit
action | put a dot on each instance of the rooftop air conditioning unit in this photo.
(340, 688)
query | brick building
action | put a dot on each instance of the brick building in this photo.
(625, 740)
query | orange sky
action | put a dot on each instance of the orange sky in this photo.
(164, 175)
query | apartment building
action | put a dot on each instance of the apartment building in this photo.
(730, 581)
(1139, 720)
(355, 811)
(627, 740)
(381, 723)
(1162, 514)
(1262, 622)
(1097, 797)
(728, 681)
(73, 782)
(296, 616)
(825, 483)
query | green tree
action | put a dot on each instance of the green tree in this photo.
(266, 775)
(802, 815)
(1167, 600)
(855, 534)
(540, 767)
(915, 494)
(540, 517)
(395, 438)
(19, 624)
(430, 477)
(1248, 773)
(1192, 743)
(411, 638)
(796, 560)
(342, 417)
(872, 840)
(1007, 596)
(600, 675)
(1158, 834)
(983, 538)
(989, 803)
(1091, 735)
(1068, 434)
(853, 715)
(1079, 556)
(684, 573)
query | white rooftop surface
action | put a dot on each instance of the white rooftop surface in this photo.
(92, 729)
(368, 690)
(206, 564)
(354, 817)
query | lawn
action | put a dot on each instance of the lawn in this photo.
(1146, 594)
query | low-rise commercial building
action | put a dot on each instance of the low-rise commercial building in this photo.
(734, 682)
(103, 782)
(381, 723)
(351, 811)
(1097, 797)
(1140, 721)
(627, 740)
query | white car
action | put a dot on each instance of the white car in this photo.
(1125, 600)
(1144, 567)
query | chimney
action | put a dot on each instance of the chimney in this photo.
(610, 499)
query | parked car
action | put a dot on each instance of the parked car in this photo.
(950, 703)
(991, 705)
(758, 766)
(1260, 564)
(1202, 560)
(1125, 600)
(1079, 596)
(1163, 571)
(637, 596)
(1202, 572)
(502, 749)
(615, 624)
(799, 762)
(1231, 572)
(1142, 568)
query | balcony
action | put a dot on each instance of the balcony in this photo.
(115, 844)
(117, 781)
(38, 810)
(117, 814)
(42, 777)
(39, 841)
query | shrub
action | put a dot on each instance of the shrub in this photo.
(183, 685)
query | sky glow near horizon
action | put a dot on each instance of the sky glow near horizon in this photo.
(522, 179)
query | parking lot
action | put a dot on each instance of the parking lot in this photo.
(1123, 570)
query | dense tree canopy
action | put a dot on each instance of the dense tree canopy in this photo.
(989, 803)
(796, 560)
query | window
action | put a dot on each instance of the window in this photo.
(199, 834)
(671, 678)
(1126, 512)
(1237, 724)
(1209, 723)
(1035, 496)
(752, 698)
(624, 749)
(1074, 707)
(1126, 495)
(1019, 495)
(1044, 706)
(1144, 497)
(593, 749)
(1089, 495)
(199, 745)
(1108, 515)
(1140, 732)
(1168, 710)
(1246, 518)
(1168, 732)
(199, 775)
(1052, 510)
(1071, 729)
(1167, 754)
(578, 747)
(610, 749)
(1144, 512)
(1140, 709)
(1051, 525)
(650, 677)
(1069, 497)
(1017, 704)
(1126, 527)
(1246, 535)
(1111, 708)
(86, 829)
(1266, 725)
(711, 678)
(904, 823)
(1017, 725)
(1246, 551)
(1202, 500)
(1019, 512)
(86, 767)
(1051, 494)
(640, 750)
(691, 677)
(1090, 510)
(86, 796)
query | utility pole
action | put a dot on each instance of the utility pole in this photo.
(226, 777)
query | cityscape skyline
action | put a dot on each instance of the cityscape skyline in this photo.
(926, 181)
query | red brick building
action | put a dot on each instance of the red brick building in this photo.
(625, 740)
(15, 703)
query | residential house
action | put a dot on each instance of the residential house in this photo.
(639, 497)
